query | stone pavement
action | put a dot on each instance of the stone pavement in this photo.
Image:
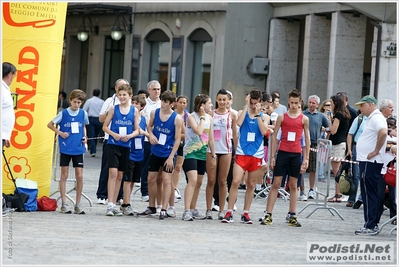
(52, 238)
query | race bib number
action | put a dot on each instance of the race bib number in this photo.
(216, 135)
(137, 143)
(75, 127)
(162, 139)
(122, 131)
(251, 137)
(291, 136)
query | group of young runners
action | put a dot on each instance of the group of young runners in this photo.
(199, 142)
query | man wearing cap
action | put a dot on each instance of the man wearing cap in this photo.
(370, 154)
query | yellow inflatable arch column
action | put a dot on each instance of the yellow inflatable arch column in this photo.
(33, 34)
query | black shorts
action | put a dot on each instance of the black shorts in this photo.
(77, 160)
(180, 149)
(157, 162)
(118, 157)
(194, 164)
(287, 160)
(133, 172)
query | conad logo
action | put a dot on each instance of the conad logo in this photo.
(34, 24)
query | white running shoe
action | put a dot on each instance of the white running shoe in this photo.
(101, 201)
(302, 197)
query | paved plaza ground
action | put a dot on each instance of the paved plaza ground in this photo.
(52, 238)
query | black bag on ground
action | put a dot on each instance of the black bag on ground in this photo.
(343, 167)
(346, 182)
(13, 201)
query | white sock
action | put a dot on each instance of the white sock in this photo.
(258, 186)
(110, 205)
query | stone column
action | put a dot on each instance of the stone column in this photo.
(345, 72)
(315, 57)
(387, 80)
(283, 57)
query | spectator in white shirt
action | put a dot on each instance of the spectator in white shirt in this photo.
(93, 107)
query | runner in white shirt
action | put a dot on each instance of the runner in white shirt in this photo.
(224, 124)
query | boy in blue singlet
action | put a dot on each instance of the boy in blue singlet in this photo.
(164, 128)
(249, 154)
(136, 157)
(71, 140)
(122, 125)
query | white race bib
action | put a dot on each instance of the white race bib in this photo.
(162, 139)
(251, 137)
(75, 127)
(137, 143)
(123, 131)
(291, 136)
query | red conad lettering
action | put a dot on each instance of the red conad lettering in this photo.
(27, 77)
(26, 115)
(21, 145)
(21, 137)
(26, 95)
(25, 57)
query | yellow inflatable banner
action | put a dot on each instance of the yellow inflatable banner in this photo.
(33, 34)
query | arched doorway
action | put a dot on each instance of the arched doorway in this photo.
(159, 57)
(202, 59)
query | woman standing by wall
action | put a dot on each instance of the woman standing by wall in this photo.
(339, 127)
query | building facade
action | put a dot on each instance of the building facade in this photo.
(193, 48)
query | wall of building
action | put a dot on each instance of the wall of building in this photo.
(316, 56)
(387, 80)
(177, 8)
(246, 36)
(346, 55)
(94, 46)
(283, 56)
(212, 22)
(331, 58)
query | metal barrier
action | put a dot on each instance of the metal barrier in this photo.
(322, 188)
(269, 176)
(388, 222)
(56, 157)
